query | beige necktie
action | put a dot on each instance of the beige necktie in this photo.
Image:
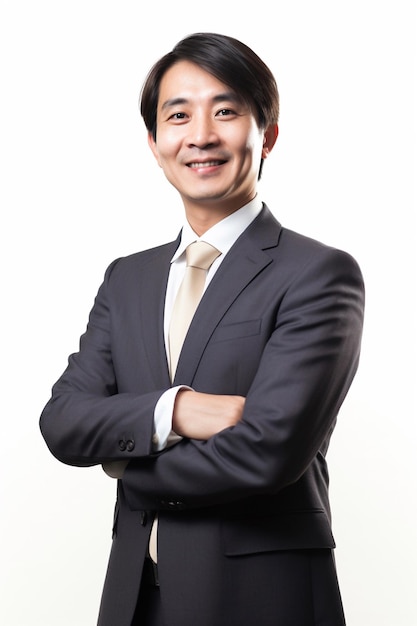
(199, 255)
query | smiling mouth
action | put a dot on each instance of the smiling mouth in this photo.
(199, 164)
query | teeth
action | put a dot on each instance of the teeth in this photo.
(205, 164)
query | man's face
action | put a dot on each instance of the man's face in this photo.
(208, 142)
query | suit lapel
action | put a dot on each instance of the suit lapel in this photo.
(244, 261)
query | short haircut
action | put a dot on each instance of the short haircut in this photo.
(227, 59)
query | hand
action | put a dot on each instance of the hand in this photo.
(202, 415)
(115, 469)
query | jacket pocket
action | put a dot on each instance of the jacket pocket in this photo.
(293, 530)
(237, 331)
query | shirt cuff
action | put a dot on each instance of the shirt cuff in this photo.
(164, 436)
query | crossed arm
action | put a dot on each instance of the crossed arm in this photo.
(195, 416)
(305, 371)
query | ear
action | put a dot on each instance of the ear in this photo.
(153, 147)
(270, 137)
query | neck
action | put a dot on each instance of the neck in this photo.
(201, 219)
(202, 223)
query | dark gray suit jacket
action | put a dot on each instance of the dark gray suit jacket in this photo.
(280, 324)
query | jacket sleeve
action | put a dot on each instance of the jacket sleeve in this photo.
(304, 373)
(88, 421)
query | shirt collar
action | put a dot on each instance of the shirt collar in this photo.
(223, 234)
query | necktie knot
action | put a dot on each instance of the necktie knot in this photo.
(201, 254)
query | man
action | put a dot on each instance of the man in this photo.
(218, 439)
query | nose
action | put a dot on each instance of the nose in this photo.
(202, 132)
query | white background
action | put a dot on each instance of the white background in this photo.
(79, 187)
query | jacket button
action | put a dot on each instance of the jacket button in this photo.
(130, 445)
(122, 445)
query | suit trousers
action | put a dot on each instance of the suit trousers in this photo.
(149, 607)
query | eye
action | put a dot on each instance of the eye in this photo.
(225, 112)
(178, 116)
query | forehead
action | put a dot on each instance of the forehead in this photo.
(187, 81)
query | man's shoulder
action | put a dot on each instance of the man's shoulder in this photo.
(150, 254)
(149, 260)
(302, 255)
(294, 244)
(302, 244)
(294, 251)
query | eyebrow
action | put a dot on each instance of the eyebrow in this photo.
(228, 96)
